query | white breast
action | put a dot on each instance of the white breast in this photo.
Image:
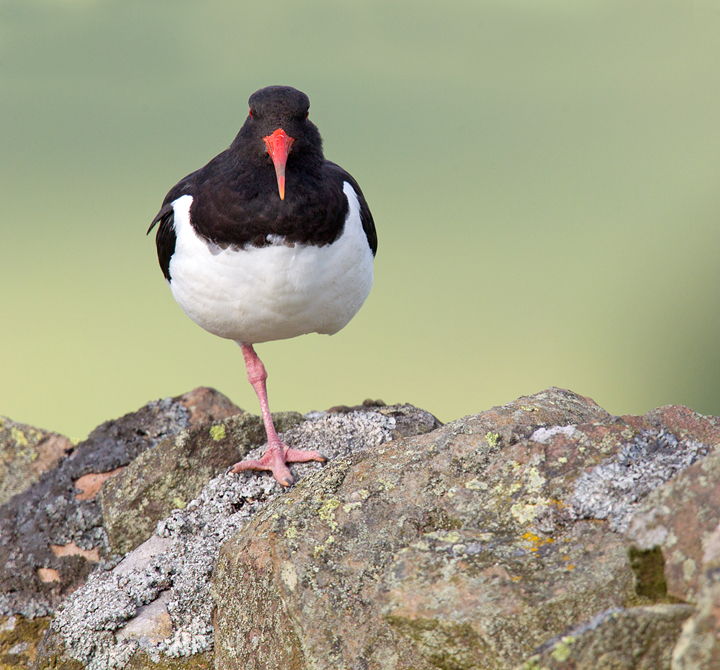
(274, 292)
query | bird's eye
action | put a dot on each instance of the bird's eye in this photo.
(307, 114)
(250, 112)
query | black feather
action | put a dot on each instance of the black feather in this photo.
(165, 238)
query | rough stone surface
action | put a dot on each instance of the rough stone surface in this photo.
(19, 638)
(699, 645)
(541, 534)
(51, 535)
(173, 473)
(640, 638)
(25, 454)
(154, 606)
(467, 547)
(680, 518)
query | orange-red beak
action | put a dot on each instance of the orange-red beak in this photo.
(278, 146)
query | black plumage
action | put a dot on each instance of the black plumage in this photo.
(235, 196)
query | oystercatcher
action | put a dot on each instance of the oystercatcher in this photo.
(268, 241)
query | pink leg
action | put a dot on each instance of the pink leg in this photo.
(277, 454)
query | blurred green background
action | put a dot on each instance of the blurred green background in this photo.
(544, 176)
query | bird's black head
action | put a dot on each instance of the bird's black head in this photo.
(277, 131)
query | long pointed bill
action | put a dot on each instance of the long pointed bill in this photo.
(278, 146)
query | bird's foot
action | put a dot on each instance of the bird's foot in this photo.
(275, 459)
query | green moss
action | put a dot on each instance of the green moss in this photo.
(20, 632)
(448, 646)
(648, 566)
(140, 661)
(17, 630)
(493, 439)
(59, 663)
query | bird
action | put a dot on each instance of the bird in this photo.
(268, 241)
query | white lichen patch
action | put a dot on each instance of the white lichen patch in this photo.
(543, 435)
(613, 490)
(689, 569)
(288, 574)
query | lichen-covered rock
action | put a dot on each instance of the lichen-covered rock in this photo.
(173, 473)
(699, 645)
(680, 522)
(153, 609)
(698, 648)
(679, 518)
(52, 534)
(467, 547)
(640, 638)
(497, 541)
(408, 420)
(25, 454)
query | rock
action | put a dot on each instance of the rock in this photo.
(25, 454)
(534, 535)
(121, 616)
(408, 419)
(173, 473)
(468, 547)
(640, 638)
(679, 518)
(699, 644)
(19, 638)
(679, 523)
(52, 534)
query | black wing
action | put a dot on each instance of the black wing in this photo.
(165, 237)
(366, 217)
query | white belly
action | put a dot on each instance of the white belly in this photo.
(274, 292)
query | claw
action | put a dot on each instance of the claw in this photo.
(275, 460)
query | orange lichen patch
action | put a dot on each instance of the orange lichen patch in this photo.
(89, 485)
(48, 575)
(535, 541)
(73, 550)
